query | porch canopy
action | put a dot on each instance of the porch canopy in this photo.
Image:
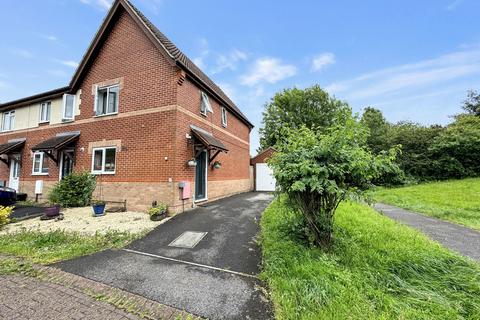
(7, 150)
(51, 147)
(206, 141)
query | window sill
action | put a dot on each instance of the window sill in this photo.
(39, 174)
(102, 173)
(105, 115)
(67, 120)
(44, 122)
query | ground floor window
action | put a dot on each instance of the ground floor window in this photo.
(40, 163)
(103, 160)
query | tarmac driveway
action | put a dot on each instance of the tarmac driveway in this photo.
(215, 279)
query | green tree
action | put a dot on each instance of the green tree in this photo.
(472, 104)
(378, 126)
(457, 149)
(318, 170)
(294, 108)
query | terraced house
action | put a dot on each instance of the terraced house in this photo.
(139, 115)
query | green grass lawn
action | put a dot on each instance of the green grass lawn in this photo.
(455, 200)
(45, 248)
(377, 269)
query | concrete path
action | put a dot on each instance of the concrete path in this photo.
(453, 236)
(216, 279)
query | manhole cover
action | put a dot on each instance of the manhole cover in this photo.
(188, 239)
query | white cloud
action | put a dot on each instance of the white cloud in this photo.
(68, 63)
(268, 69)
(22, 53)
(322, 60)
(452, 5)
(48, 37)
(204, 52)
(229, 61)
(413, 76)
(100, 4)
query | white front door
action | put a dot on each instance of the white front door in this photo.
(14, 174)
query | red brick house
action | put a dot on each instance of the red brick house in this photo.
(134, 114)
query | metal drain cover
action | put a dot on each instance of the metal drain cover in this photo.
(188, 239)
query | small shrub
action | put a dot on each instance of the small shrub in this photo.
(74, 190)
(157, 210)
(5, 215)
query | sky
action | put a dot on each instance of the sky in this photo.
(414, 60)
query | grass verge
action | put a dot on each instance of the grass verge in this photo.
(45, 248)
(454, 200)
(377, 269)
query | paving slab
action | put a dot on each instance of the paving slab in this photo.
(458, 238)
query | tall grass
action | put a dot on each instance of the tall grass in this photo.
(454, 200)
(377, 269)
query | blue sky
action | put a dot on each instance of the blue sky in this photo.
(414, 60)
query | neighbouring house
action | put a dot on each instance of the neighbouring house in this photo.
(139, 115)
(264, 179)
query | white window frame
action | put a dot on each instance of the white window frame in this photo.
(205, 105)
(39, 173)
(64, 108)
(224, 117)
(11, 123)
(104, 151)
(47, 112)
(95, 105)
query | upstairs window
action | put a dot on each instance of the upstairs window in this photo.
(224, 117)
(40, 164)
(68, 107)
(106, 101)
(205, 104)
(45, 108)
(8, 121)
(103, 160)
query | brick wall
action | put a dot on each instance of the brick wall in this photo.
(155, 114)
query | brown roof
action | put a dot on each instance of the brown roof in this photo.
(8, 147)
(207, 139)
(57, 142)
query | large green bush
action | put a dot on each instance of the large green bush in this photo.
(317, 171)
(74, 190)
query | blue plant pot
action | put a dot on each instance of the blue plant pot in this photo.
(98, 209)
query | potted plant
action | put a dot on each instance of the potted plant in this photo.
(98, 208)
(192, 162)
(217, 165)
(52, 210)
(158, 212)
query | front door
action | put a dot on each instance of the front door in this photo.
(14, 174)
(66, 163)
(201, 176)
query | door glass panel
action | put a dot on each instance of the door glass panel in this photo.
(200, 177)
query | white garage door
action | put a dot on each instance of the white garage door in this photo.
(264, 178)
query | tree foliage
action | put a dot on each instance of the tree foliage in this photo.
(317, 170)
(294, 108)
(472, 104)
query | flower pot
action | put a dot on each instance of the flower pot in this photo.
(52, 211)
(158, 217)
(98, 209)
(217, 166)
(192, 163)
